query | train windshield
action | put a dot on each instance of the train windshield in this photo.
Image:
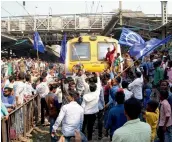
(80, 51)
(102, 50)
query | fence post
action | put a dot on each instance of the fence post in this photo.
(24, 119)
(4, 131)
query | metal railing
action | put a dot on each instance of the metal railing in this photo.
(21, 121)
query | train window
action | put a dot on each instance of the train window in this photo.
(80, 51)
(102, 50)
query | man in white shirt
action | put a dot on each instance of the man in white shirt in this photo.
(42, 89)
(90, 105)
(133, 130)
(71, 117)
(136, 86)
(127, 93)
(19, 89)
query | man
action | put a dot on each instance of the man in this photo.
(165, 120)
(19, 89)
(127, 93)
(90, 105)
(8, 98)
(117, 63)
(109, 55)
(133, 130)
(71, 117)
(53, 105)
(136, 86)
(116, 117)
(158, 74)
(42, 89)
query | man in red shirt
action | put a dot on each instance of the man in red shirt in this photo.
(110, 55)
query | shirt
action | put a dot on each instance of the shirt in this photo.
(59, 94)
(19, 91)
(90, 100)
(28, 89)
(116, 118)
(158, 75)
(127, 93)
(165, 111)
(71, 116)
(42, 89)
(109, 55)
(133, 131)
(8, 101)
(4, 111)
(152, 119)
(136, 87)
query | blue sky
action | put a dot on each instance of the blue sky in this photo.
(70, 7)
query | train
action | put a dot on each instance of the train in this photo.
(89, 52)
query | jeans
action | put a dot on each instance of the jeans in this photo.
(43, 108)
(52, 121)
(168, 134)
(100, 123)
(165, 137)
(83, 137)
(89, 120)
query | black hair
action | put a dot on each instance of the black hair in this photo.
(107, 75)
(91, 80)
(21, 76)
(92, 87)
(70, 79)
(8, 88)
(118, 54)
(125, 84)
(28, 77)
(95, 79)
(138, 74)
(118, 79)
(170, 63)
(53, 86)
(164, 94)
(153, 105)
(74, 94)
(164, 81)
(132, 108)
(11, 78)
(42, 78)
(120, 97)
(44, 74)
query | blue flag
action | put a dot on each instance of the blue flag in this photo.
(38, 44)
(130, 38)
(138, 48)
(63, 50)
(150, 46)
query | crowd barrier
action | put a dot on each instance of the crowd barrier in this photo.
(21, 121)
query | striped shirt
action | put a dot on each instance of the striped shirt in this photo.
(133, 131)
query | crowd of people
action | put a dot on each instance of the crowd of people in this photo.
(130, 106)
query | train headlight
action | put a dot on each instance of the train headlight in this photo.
(93, 38)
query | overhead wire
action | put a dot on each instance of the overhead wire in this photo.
(92, 6)
(26, 10)
(11, 15)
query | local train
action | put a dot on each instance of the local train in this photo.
(89, 52)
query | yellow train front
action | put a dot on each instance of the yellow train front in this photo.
(90, 51)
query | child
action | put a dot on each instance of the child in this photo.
(151, 116)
